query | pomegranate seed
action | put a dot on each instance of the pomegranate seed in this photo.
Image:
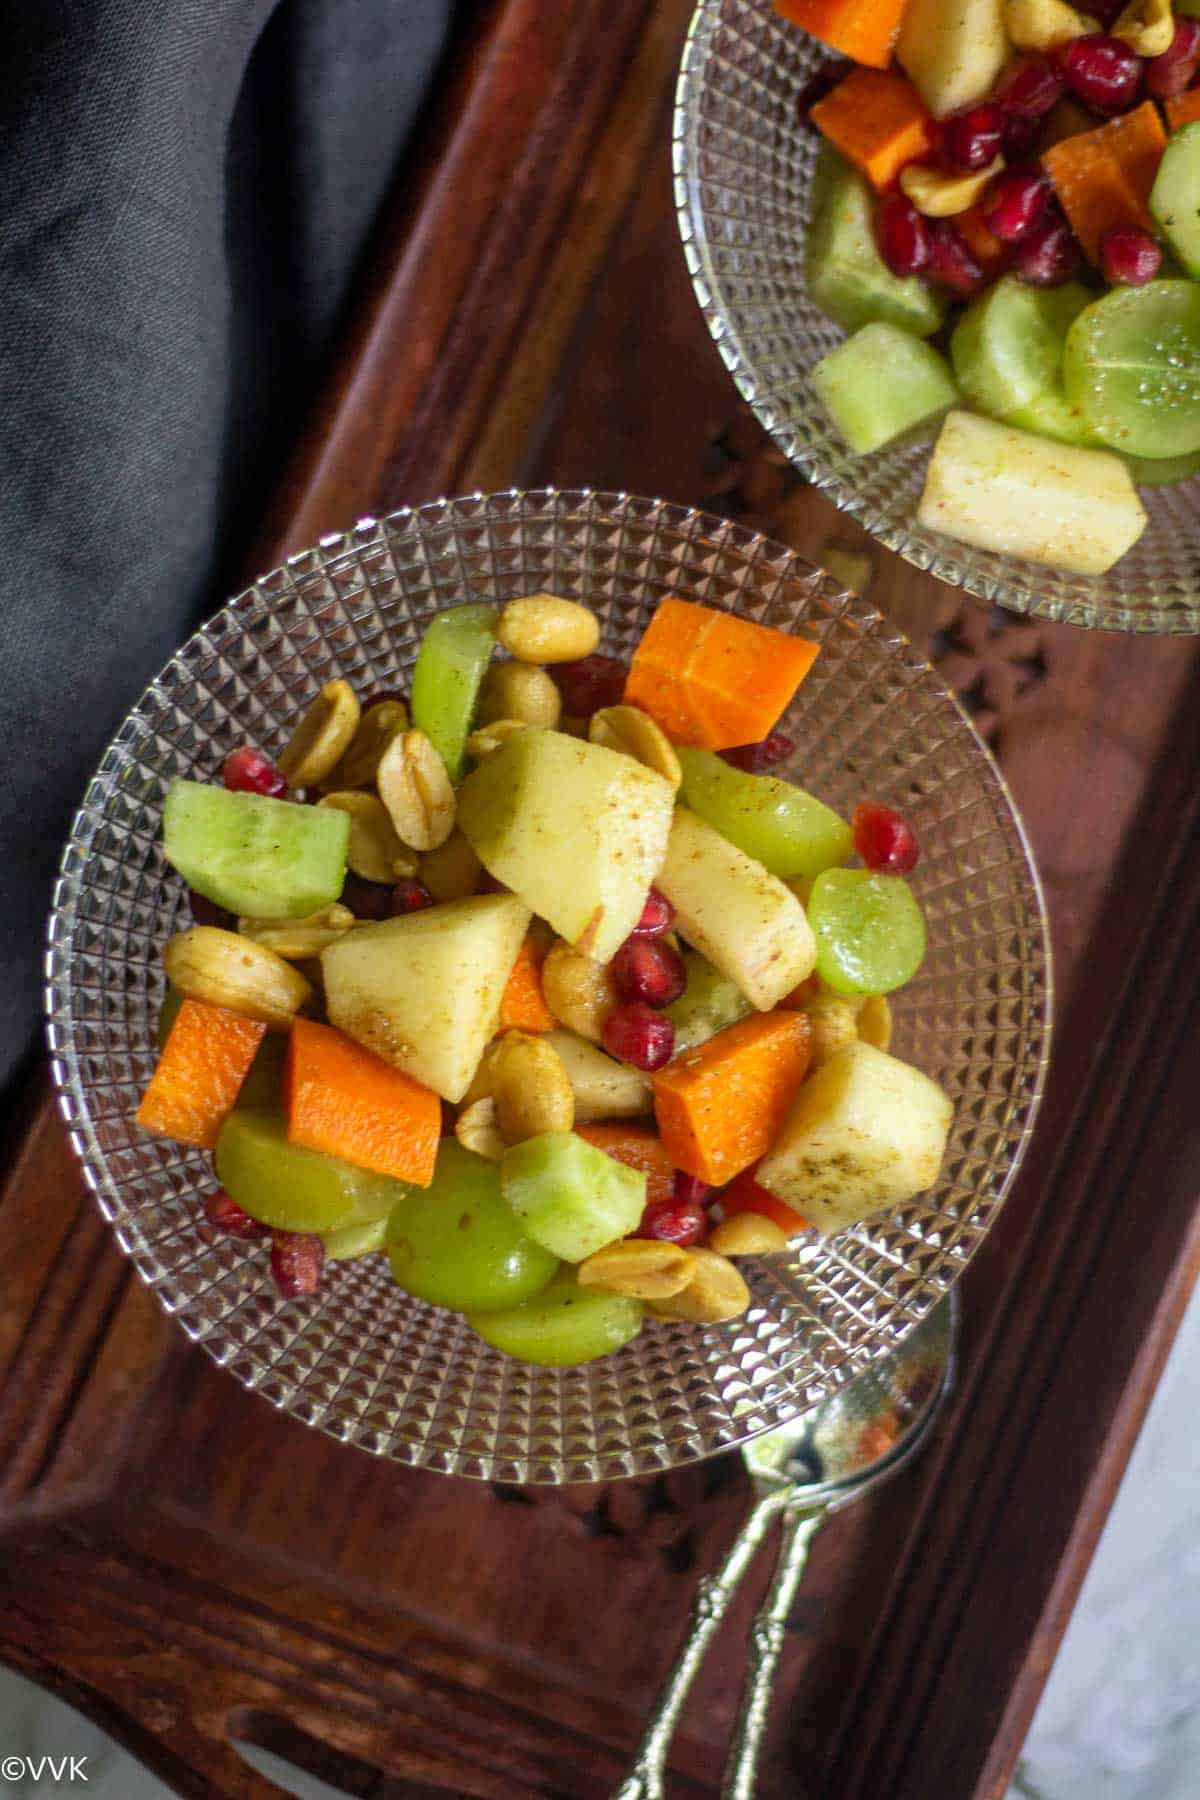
(772, 750)
(1103, 72)
(1029, 87)
(248, 771)
(1017, 204)
(207, 912)
(1129, 257)
(590, 683)
(971, 137)
(297, 1263)
(884, 839)
(225, 1215)
(1020, 137)
(904, 244)
(658, 915)
(1049, 255)
(409, 896)
(681, 1222)
(952, 265)
(1173, 72)
(690, 1190)
(638, 1035)
(382, 694)
(647, 970)
(367, 899)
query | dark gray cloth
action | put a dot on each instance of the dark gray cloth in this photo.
(185, 188)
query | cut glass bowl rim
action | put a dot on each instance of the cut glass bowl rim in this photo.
(1003, 580)
(600, 1458)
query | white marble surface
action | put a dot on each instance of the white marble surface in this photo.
(1120, 1718)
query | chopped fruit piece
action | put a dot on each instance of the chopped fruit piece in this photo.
(1132, 367)
(290, 1188)
(870, 931)
(846, 274)
(1129, 258)
(195, 1084)
(746, 1196)
(788, 831)
(346, 1102)
(884, 839)
(226, 1216)
(523, 1007)
(720, 1106)
(682, 1222)
(878, 122)
(1103, 72)
(569, 1196)
(658, 915)
(867, 1133)
(640, 1148)
(636, 1034)
(881, 383)
(603, 1088)
(449, 670)
(297, 1264)
(1103, 177)
(457, 1244)
(562, 1326)
(1015, 493)
(646, 969)
(258, 858)
(1173, 199)
(972, 137)
(953, 53)
(248, 771)
(864, 30)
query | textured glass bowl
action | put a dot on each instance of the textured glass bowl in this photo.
(743, 173)
(364, 1362)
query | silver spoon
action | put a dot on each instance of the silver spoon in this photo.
(801, 1472)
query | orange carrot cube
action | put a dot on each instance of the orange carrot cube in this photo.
(864, 30)
(878, 121)
(346, 1102)
(721, 1106)
(638, 1148)
(197, 1078)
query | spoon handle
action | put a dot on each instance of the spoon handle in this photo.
(766, 1642)
(713, 1595)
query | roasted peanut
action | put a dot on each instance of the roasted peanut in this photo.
(941, 196)
(636, 734)
(639, 1267)
(226, 969)
(530, 1087)
(716, 1291)
(1045, 24)
(831, 1026)
(415, 788)
(476, 1129)
(1147, 26)
(747, 1234)
(376, 729)
(481, 743)
(374, 851)
(874, 1022)
(519, 690)
(297, 940)
(578, 991)
(323, 736)
(451, 872)
(542, 628)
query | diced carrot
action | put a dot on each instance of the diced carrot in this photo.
(719, 1107)
(522, 1007)
(864, 30)
(1184, 109)
(878, 121)
(1103, 178)
(713, 679)
(992, 256)
(745, 1196)
(638, 1148)
(202, 1066)
(346, 1102)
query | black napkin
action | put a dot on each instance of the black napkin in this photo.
(185, 188)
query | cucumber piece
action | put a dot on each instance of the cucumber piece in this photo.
(563, 1325)
(708, 1003)
(1163, 471)
(260, 858)
(450, 666)
(1007, 490)
(881, 383)
(456, 1243)
(846, 275)
(1175, 196)
(1132, 367)
(569, 1196)
(1007, 351)
(292, 1189)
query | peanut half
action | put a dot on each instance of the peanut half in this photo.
(376, 729)
(322, 737)
(634, 733)
(530, 1087)
(415, 788)
(374, 852)
(639, 1267)
(940, 196)
(296, 940)
(832, 1026)
(543, 628)
(579, 992)
(226, 969)
(451, 872)
(476, 1129)
(747, 1234)
(1045, 24)
(519, 690)
(481, 743)
(715, 1292)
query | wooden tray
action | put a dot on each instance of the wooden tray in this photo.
(191, 1569)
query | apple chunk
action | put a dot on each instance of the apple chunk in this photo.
(423, 991)
(577, 830)
(952, 54)
(742, 918)
(867, 1132)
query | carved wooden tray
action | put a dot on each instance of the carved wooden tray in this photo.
(191, 1568)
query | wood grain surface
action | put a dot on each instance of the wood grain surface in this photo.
(193, 1569)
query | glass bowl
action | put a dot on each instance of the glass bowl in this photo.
(744, 164)
(363, 1361)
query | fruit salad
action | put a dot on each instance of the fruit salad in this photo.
(543, 981)
(1006, 224)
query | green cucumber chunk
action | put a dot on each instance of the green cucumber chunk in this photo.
(869, 929)
(564, 1325)
(788, 831)
(268, 859)
(846, 275)
(355, 1240)
(1175, 196)
(454, 655)
(292, 1189)
(569, 1196)
(881, 383)
(708, 1003)
(1132, 367)
(456, 1243)
(1007, 351)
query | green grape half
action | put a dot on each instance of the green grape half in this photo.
(869, 929)
(785, 829)
(564, 1324)
(290, 1188)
